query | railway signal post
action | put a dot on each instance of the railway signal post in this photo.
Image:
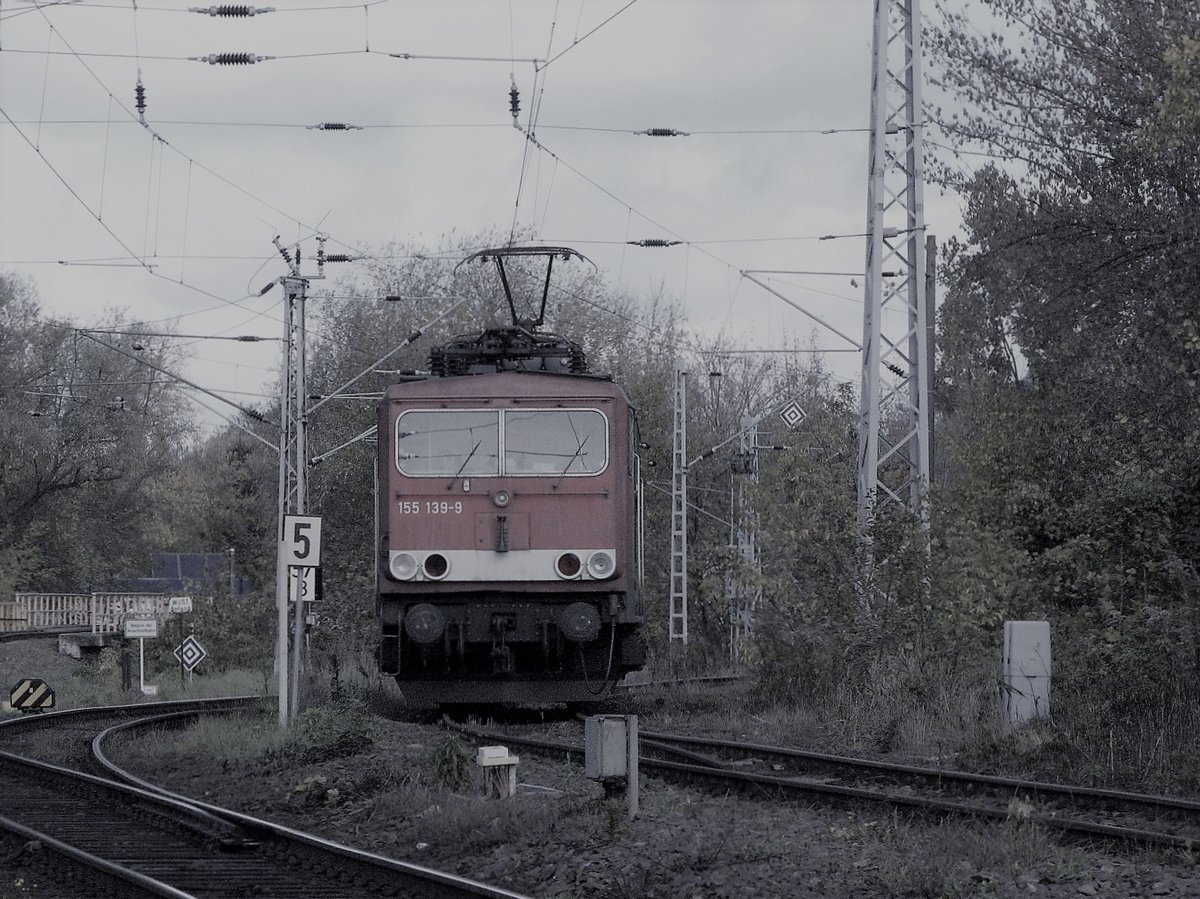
(302, 537)
(180, 606)
(293, 475)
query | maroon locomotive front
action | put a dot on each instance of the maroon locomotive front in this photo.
(507, 552)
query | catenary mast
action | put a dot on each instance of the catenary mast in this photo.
(896, 416)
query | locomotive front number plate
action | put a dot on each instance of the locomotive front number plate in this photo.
(431, 507)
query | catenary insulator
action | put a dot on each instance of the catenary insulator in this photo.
(654, 242)
(230, 59)
(333, 126)
(514, 101)
(662, 132)
(231, 11)
(339, 257)
(140, 94)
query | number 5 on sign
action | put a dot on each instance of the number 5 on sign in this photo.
(302, 540)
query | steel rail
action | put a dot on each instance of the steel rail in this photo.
(55, 718)
(428, 881)
(93, 863)
(207, 826)
(718, 771)
(940, 775)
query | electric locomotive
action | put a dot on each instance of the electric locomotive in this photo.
(508, 563)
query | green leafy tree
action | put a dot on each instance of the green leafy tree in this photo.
(85, 433)
(1069, 429)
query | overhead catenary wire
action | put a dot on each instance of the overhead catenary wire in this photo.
(245, 57)
(557, 160)
(654, 485)
(410, 126)
(228, 419)
(241, 338)
(74, 193)
(143, 263)
(45, 83)
(140, 260)
(257, 416)
(195, 162)
(580, 40)
(389, 354)
(529, 137)
(69, 4)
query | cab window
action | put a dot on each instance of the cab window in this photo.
(488, 442)
(555, 442)
(450, 442)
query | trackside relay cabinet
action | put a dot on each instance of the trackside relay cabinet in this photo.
(610, 754)
(605, 747)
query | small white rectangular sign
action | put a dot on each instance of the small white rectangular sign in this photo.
(302, 584)
(180, 604)
(302, 540)
(146, 628)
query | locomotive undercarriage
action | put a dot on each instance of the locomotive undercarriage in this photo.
(498, 649)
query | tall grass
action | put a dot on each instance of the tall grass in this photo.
(920, 708)
(235, 737)
(957, 859)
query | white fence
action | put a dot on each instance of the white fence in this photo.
(104, 613)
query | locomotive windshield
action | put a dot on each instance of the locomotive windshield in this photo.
(554, 441)
(472, 443)
(447, 442)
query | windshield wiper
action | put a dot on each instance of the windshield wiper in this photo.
(578, 452)
(466, 462)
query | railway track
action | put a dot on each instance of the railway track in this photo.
(139, 840)
(1076, 812)
(74, 729)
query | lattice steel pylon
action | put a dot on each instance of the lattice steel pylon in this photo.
(677, 621)
(293, 486)
(894, 434)
(742, 595)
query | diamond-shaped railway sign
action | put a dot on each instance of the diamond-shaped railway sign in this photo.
(793, 416)
(190, 652)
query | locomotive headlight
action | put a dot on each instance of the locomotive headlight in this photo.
(424, 623)
(568, 566)
(501, 498)
(579, 622)
(436, 566)
(403, 566)
(601, 565)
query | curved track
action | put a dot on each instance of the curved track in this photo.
(1078, 812)
(149, 842)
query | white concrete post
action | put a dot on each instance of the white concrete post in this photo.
(1027, 670)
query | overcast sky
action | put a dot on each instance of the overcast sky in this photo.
(755, 82)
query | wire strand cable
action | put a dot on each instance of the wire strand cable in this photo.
(580, 40)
